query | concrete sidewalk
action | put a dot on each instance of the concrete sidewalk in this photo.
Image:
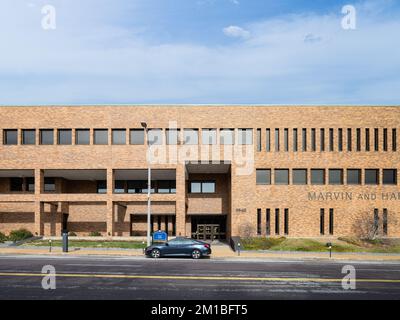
(219, 252)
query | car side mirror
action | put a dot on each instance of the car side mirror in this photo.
(167, 244)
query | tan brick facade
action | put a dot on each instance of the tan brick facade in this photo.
(237, 197)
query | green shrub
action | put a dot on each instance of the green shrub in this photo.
(72, 234)
(3, 237)
(95, 234)
(21, 234)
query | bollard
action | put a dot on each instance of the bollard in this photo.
(65, 241)
(50, 245)
(239, 249)
(329, 245)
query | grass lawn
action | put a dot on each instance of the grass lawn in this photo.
(91, 244)
(307, 245)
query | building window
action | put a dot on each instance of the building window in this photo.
(282, 176)
(46, 136)
(286, 139)
(263, 176)
(376, 220)
(353, 176)
(227, 136)
(376, 138)
(10, 136)
(16, 184)
(295, 140)
(390, 176)
(371, 176)
(191, 136)
(102, 186)
(137, 186)
(358, 140)
(64, 137)
(385, 139)
(137, 136)
(304, 136)
(119, 136)
(172, 136)
(30, 184)
(277, 229)
(385, 222)
(331, 140)
(101, 136)
(82, 136)
(209, 137)
(166, 186)
(277, 141)
(349, 140)
(155, 137)
(268, 222)
(29, 136)
(202, 187)
(322, 140)
(340, 140)
(245, 136)
(300, 176)
(119, 186)
(335, 176)
(313, 140)
(394, 140)
(367, 140)
(286, 222)
(331, 221)
(208, 187)
(258, 221)
(322, 222)
(318, 176)
(258, 140)
(49, 184)
(268, 140)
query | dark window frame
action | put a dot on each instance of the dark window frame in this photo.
(6, 138)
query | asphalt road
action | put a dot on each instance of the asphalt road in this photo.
(186, 279)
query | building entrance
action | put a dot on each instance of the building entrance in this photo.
(209, 227)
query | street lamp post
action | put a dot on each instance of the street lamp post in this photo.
(144, 125)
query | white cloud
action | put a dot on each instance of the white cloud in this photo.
(236, 32)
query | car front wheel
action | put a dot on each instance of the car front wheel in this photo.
(196, 254)
(155, 253)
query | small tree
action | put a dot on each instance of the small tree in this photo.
(370, 227)
(246, 230)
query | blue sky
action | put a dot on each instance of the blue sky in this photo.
(199, 52)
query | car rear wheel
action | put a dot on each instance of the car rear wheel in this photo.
(155, 253)
(196, 254)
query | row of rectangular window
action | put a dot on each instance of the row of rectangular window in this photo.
(136, 136)
(28, 184)
(277, 221)
(378, 225)
(322, 221)
(333, 145)
(318, 176)
(138, 186)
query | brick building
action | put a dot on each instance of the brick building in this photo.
(216, 170)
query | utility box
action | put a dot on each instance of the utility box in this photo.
(65, 241)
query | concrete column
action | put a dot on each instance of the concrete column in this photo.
(170, 225)
(110, 218)
(39, 182)
(39, 227)
(180, 200)
(110, 203)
